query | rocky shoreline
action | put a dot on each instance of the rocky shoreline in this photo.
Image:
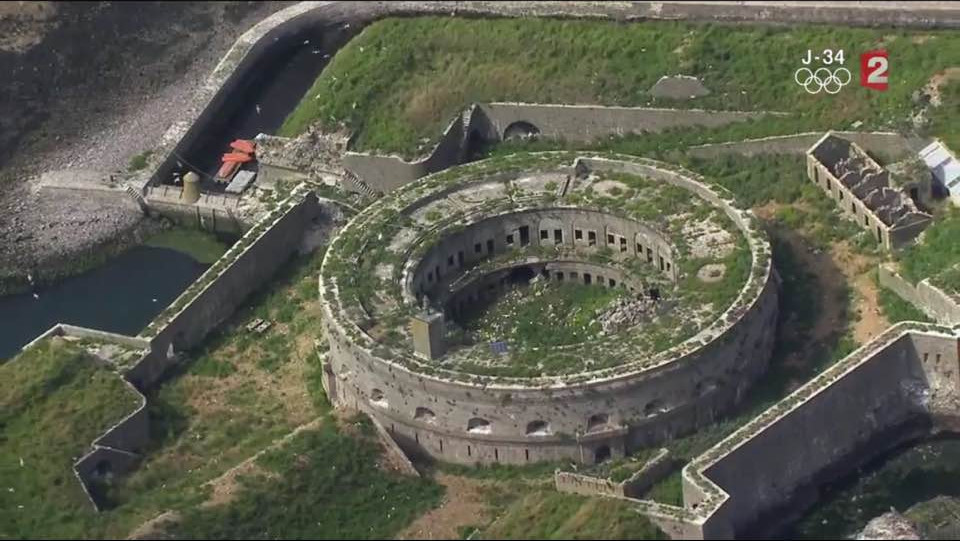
(91, 86)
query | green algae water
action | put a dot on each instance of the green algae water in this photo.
(123, 295)
(900, 479)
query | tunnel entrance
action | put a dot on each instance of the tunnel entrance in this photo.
(521, 276)
(520, 130)
(602, 454)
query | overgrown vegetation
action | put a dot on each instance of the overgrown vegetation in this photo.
(400, 81)
(324, 484)
(937, 251)
(544, 513)
(896, 309)
(139, 161)
(544, 315)
(54, 401)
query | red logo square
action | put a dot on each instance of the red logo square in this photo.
(874, 69)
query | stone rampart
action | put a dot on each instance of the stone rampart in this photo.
(926, 297)
(655, 469)
(244, 268)
(889, 391)
(489, 122)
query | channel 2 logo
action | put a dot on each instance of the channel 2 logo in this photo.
(874, 68)
(874, 72)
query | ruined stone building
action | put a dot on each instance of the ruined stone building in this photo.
(868, 193)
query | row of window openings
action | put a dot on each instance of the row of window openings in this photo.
(544, 235)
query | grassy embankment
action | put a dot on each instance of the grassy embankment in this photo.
(54, 401)
(401, 80)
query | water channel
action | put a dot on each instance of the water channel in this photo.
(126, 292)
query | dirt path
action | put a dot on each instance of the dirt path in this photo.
(858, 269)
(463, 505)
(225, 487)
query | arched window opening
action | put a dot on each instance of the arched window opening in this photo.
(538, 428)
(478, 426)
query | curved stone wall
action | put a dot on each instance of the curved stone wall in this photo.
(547, 228)
(474, 418)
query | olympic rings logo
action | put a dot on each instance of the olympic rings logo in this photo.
(822, 79)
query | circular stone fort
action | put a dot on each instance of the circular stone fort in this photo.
(547, 306)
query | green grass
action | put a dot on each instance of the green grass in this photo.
(324, 484)
(896, 309)
(757, 180)
(54, 401)
(544, 513)
(139, 161)
(938, 250)
(669, 490)
(218, 408)
(520, 316)
(945, 118)
(499, 472)
(205, 247)
(400, 81)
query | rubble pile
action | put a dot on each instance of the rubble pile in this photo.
(626, 312)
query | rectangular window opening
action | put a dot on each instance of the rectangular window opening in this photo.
(525, 235)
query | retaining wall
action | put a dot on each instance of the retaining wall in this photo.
(926, 297)
(487, 122)
(636, 485)
(886, 144)
(225, 291)
(212, 212)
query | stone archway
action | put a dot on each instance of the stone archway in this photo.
(520, 130)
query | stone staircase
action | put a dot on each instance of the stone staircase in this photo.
(360, 185)
(137, 198)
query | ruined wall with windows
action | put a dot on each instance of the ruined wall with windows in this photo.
(863, 191)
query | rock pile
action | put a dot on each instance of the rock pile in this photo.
(626, 312)
(890, 525)
(316, 153)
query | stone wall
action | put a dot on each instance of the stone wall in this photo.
(887, 392)
(225, 289)
(218, 213)
(586, 485)
(875, 398)
(926, 297)
(655, 469)
(886, 144)
(487, 122)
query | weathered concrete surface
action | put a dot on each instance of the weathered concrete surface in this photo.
(897, 387)
(686, 388)
(226, 291)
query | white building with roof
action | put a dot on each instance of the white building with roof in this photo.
(944, 166)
